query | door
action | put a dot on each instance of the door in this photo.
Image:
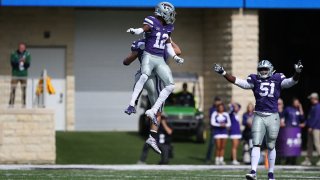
(53, 60)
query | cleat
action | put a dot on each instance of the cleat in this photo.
(152, 116)
(252, 175)
(270, 176)
(130, 110)
(153, 143)
(235, 162)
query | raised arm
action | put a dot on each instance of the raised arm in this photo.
(232, 79)
(289, 82)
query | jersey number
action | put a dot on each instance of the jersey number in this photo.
(161, 40)
(267, 89)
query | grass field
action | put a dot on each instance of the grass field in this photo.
(121, 148)
(147, 174)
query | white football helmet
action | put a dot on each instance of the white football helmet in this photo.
(167, 11)
(265, 69)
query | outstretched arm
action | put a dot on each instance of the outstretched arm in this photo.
(232, 79)
(289, 82)
(138, 31)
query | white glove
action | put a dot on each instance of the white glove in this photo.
(219, 69)
(135, 31)
(298, 67)
(178, 59)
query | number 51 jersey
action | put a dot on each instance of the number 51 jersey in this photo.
(266, 91)
(157, 37)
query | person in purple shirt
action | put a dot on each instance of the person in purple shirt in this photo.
(293, 118)
(153, 84)
(220, 122)
(313, 124)
(157, 30)
(235, 132)
(266, 86)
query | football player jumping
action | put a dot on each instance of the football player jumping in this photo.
(153, 84)
(266, 86)
(157, 31)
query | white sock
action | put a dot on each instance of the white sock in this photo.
(138, 88)
(221, 159)
(272, 159)
(255, 156)
(217, 159)
(162, 97)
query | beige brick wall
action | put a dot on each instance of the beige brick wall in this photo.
(27, 136)
(245, 51)
(28, 25)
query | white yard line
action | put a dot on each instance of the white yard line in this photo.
(150, 167)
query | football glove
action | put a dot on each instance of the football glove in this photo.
(219, 69)
(298, 67)
(135, 31)
(178, 59)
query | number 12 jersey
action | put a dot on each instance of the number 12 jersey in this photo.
(156, 38)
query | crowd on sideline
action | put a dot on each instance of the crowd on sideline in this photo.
(225, 123)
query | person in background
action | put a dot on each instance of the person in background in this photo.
(185, 98)
(247, 119)
(20, 63)
(217, 100)
(235, 132)
(220, 121)
(313, 124)
(293, 116)
(281, 113)
(164, 143)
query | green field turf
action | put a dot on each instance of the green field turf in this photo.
(143, 174)
(122, 148)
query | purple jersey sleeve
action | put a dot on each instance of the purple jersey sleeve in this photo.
(149, 21)
(251, 78)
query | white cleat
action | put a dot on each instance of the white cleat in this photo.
(252, 175)
(152, 116)
(235, 162)
(153, 143)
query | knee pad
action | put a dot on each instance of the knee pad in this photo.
(271, 145)
(170, 87)
(144, 77)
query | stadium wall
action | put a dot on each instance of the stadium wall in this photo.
(206, 36)
(27, 136)
(28, 25)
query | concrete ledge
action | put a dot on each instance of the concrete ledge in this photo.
(27, 136)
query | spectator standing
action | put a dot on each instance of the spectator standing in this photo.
(235, 132)
(217, 100)
(20, 62)
(293, 116)
(247, 119)
(164, 143)
(313, 124)
(220, 121)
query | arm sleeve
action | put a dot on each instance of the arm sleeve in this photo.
(28, 61)
(170, 50)
(244, 120)
(243, 84)
(228, 120)
(148, 20)
(14, 61)
(213, 122)
(288, 82)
